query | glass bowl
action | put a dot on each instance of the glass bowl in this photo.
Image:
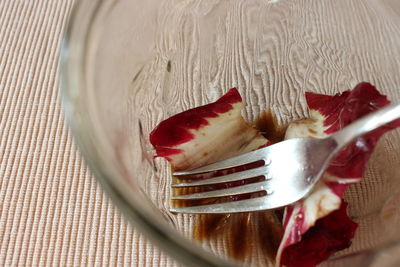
(126, 65)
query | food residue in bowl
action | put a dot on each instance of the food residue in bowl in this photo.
(306, 232)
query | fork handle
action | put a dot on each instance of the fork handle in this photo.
(366, 124)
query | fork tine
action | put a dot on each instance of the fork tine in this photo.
(238, 190)
(237, 176)
(247, 205)
(243, 159)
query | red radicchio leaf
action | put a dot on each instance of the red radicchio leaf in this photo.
(206, 134)
(318, 226)
(176, 130)
(341, 110)
(327, 236)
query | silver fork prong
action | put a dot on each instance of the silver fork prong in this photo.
(237, 190)
(247, 205)
(240, 160)
(237, 176)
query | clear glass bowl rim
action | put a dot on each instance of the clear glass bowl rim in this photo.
(73, 55)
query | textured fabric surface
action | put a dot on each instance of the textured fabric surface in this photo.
(52, 212)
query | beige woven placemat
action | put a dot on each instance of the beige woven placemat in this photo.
(52, 212)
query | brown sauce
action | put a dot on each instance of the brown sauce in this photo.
(267, 124)
(243, 231)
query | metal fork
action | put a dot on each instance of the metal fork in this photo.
(291, 168)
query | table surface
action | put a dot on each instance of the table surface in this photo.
(52, 211)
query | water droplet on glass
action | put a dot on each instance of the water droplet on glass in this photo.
(269, 191)
(306, 168)
(299, 233)
(309, 179)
